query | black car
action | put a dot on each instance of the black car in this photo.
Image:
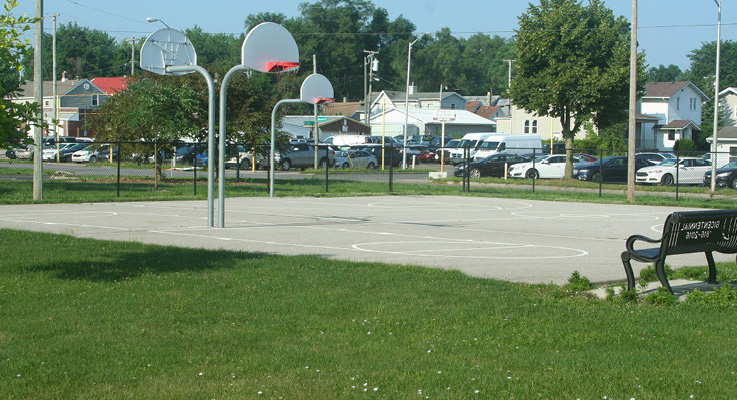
(437, 141)
(726, 176)
(65, 154)
(395, 159)
(493, 165)
(610, 169)
(10, 152)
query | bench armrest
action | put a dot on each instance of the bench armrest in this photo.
(632, 239)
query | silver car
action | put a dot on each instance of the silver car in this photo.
(355, 159)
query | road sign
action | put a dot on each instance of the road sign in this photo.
(444, 115)
(309, 123)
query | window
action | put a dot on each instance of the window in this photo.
(530, 126)
(672, 135)
(452, 106)
(96, 100)
(678, 103)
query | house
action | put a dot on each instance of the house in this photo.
(302, 126)
(728, 102)
(726, 145)
(76, 98)
(111, 85)
(673, 111)
(517, 121)
(388, 99)
(421, 121)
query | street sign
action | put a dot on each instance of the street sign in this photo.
(444, 115)
(309, 123)
(312, 121)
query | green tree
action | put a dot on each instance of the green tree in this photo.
(15, 118)
(83, 53)
(662, 73)
(573, 64)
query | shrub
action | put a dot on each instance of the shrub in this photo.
(661, 297)
(578, 283)
(648, 274)
(684, 145)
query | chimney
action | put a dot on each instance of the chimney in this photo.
(488, 98)
(64, 76)
(412, 88)
(345, 99)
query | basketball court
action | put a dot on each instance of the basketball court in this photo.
(516, 240)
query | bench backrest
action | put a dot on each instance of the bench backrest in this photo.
(700, 231)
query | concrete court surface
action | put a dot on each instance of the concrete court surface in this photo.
(508, 239)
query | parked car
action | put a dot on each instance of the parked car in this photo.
(94, 153)
(427, 156)
(10, 152)
(610, 169)
(299, 155)
(726, 176)
(392, 155)
(65, 155)
(546, 166)
(436, 142)
(688, 170)
(655, 158)
(244, 159)
(355, 159)
(722, 159)
(49, 153)
(24, 152)
(493, 165)
(558, 148)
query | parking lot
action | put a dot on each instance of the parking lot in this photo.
(516, 240)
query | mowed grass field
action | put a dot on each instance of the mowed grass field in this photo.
(88, 319)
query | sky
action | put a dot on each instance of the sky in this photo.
(668, 30)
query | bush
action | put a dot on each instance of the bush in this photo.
(684, 145)
(648, 274)
(662, 297)
(578, 283)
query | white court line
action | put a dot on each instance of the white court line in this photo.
(68, 224)
(248, 240)
(580, 252)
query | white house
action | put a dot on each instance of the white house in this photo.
(389, 99)
(420, 121)
(677, 108)
(728, 101)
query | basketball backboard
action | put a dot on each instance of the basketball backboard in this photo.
(316, 89)
(167, 48)
(269, 47)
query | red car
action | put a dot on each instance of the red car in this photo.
(427, 156)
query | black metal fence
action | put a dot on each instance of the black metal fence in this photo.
(161, 170)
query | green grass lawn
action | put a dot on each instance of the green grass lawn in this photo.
(84, 319)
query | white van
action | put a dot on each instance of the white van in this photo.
(345, 140)
(471, 140)
(512, 144)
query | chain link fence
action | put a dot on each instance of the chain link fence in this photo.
(101, 171)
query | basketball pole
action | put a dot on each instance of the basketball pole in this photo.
(221, 144)
(273, 140)
(210, 134)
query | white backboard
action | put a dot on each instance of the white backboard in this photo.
(269, 47)
(316, 89)
(166, 48)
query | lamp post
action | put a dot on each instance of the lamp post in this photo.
(406, 102)
(716, 101)
(152, 20)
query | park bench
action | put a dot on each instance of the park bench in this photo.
(685, 232)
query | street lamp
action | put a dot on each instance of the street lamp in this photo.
(716, 101)
(406, 101)
(152, 20)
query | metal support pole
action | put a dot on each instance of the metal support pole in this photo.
(716, 102)
(327, 168)
(391, 167)
(632, 124)
(210, 135)
(221, 145)
(38, 99)
(534, 156)
(678, 174)
(120, 150)
(273, 141)
(194, 165)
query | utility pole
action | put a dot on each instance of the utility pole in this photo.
(632, 126)
(373, 66)
(509, 79)
(38, 99)
(53, 88)
(133, 53)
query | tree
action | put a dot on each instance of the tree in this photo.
(573, 64)
(15, 118)
(670, 73)
(83, 53)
